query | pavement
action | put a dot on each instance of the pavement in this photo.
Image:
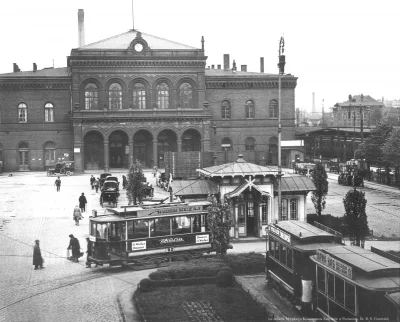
(30, 208)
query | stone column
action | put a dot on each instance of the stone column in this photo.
(130, 152)
(260, 232)
(106, 156)
(236, 219)
(155, 153)
(179, 145)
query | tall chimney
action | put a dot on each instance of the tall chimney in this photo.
(219, 66)
(243, 68)
(16, 68)
(212, 66)
(226, 61)
(34, 67)
(81, 28)
(261, 64)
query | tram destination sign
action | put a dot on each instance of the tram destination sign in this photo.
(281, 234)
(335, 264)
(169, 211)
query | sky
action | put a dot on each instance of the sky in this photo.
(335, 48)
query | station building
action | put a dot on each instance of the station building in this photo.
(137, 96)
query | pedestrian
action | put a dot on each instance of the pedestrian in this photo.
(96, 184)
(37, 255)
(92, 180)
(124, 182)
(57, 183)
(89, 252)
(82, 202)
(77, 215)
(75, 248)
(155, 169)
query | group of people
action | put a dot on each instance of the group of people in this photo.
(95, 183)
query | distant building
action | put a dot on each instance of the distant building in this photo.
(349, 112)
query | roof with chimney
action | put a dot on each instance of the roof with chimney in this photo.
(123, 41)
(46, 72)
(356, 100)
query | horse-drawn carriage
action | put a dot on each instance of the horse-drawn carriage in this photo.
(109, 193)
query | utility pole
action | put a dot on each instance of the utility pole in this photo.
(362, 118)
(281, 66)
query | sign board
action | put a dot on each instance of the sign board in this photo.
(77, 150)
(139, 245)
(281, 234)
(286, 143)
(226, 145)
(169, 210)
(92, 238)
(202, 239)
(335, 264)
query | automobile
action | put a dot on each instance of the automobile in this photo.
(66, 168)
(334, 168)
(112, 178)
(110, 185)
(103, 177)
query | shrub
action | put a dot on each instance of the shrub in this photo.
(335, 223)
(145, 285)
(224, 279)
(246, 263)
(194, 268)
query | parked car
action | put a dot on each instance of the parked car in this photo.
(66, 167)
(112, 178)
(103, 177)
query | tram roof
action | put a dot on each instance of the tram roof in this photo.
(363, 259)
(302, 230)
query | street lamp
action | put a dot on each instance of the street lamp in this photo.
(281, 66)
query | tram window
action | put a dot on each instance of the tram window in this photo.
(130, 230)
(289, 258)
(339, 290)
(93, 229)
(331, 284)
(199, 221)
(282, 249)
(181, 225)
(160, 227)
(321, 279)
(103, 231)
(276, 250)
(349, 296)
(140, 229)
(322, 302)
(272, 247)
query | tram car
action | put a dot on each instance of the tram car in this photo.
(150, 233)
(109, 193)
(290, 244)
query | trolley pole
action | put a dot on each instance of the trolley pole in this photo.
(281, 66)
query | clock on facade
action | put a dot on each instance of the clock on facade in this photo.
(138, 47)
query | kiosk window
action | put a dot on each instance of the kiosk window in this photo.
(160, 227)
(264, 213)
(284, 209)
(331, 284)
(339, 290)
(293, 209)
(349, 301)
(242, 214)
(321, 279)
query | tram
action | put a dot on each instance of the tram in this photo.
(149, 233)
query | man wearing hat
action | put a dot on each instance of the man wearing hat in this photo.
(89, 252)
(37, 255)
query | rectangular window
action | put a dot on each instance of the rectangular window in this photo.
(284, 209)
(322, 302)
(276, 250)
(48, 115)
(138, 229)
(282, 249)
(272, 247)
(160, 227)
(181, 225)
(331, 284)
(50, 157)
(289, 258)
(22, 115)
(339, 290)
(199, 222)
(350, 297)
(321, 279)
(293, 209)
(242, 214)
(250, 209)
(264, 213)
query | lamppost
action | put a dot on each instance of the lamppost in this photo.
(281, 66)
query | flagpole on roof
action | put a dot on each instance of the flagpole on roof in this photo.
(133, 21)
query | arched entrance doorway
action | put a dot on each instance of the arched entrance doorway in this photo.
(23, 157)
(273, 151)
(49, 154)
(94, 151)
(166, 141)
(119, 150)
(191, 141)
(142, 148)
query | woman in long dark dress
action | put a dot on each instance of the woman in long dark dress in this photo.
(37, 255)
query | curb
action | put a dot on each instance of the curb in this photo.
(128, 310)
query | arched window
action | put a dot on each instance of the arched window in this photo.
(249, 109)
(185, 95)
(163, 96)
(22, 113)
(225, 110)
(91, 97)
(273, 109)
(226, 144)
(250, 144)
(139, 96)
(115, 97)
(48, 112)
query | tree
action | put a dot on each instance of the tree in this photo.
(375, 116)
(134, 188)
(320, 180)
(219, 223)
(355, 218)
(391, 151)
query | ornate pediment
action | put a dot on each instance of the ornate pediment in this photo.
(138, 46)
